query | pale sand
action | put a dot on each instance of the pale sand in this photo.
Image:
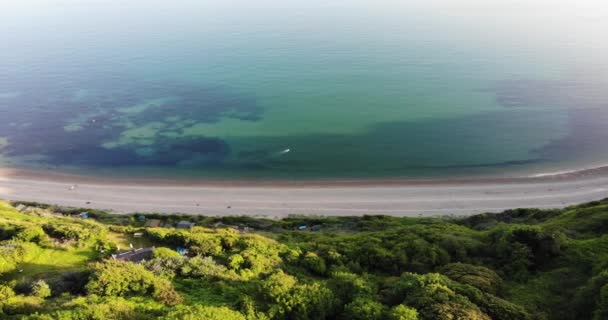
(278, 199)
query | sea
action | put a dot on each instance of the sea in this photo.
(294, 89)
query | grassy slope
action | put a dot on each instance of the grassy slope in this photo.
(42, 262)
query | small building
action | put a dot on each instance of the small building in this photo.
(153, 223)
(136, 255)
(83, 215)
(187, 225)
(141, 218)
(21, 207)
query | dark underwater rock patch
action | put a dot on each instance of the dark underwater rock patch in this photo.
(33, 122)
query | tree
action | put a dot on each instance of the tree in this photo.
(402, 312)
(477, 276)
(364, 308)
(286, 300)
(314, 263)
(432, 296)
(311, 301)
(277, 286)
(591, 300)
(524, 249)
(601, 312)
(347, 286)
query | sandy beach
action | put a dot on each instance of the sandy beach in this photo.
(281, 198)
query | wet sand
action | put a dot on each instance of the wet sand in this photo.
(281, 198)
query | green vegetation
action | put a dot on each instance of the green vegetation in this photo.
(521, 264)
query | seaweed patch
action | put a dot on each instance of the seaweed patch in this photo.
(122, 123)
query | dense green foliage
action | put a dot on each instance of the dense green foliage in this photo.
(521, 264)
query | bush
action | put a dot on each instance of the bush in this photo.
(6, 292)
(592, 299)
(21, 305)
(119, 278)
(165, 253)
(206, 267)
(285, 299)
(67, 231)
(13, 254)
(198, 312)
(479, 277)
(524, 249)
(432, 296)
(32, 234)
(167, 267)
(364, 309)
(402, 312)
(69, 282)
(347, 286)
(314, 263)
(40, 289)
(276, 286)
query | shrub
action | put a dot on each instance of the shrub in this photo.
(364, 309)
(347, 286)
(165, 253)
(119, 278)
(432, 296)
(312, 301)
(40, 289)
(276, 286)
(21, 305)
(32, 234)
(198, 312)
(402, 312)
(477, 276)
(166, 267)
(67, 231)
(204, 267)
(6, 292)
(69, 282)
(314, 263)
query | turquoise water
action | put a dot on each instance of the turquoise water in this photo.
(303, 89)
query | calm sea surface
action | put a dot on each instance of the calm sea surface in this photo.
(303, 89)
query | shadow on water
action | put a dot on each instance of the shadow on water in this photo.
(542, 122)
(585, 99)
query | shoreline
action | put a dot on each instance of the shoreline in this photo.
(398, 197)
(47, 175)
